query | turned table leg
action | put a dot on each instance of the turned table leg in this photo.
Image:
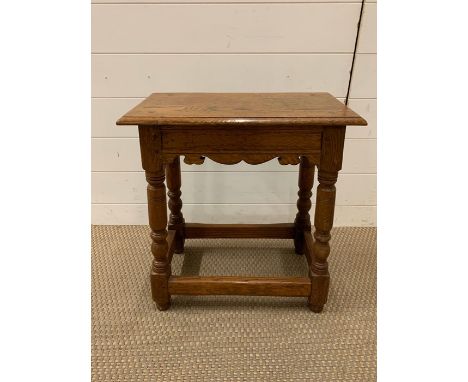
(160, 269)
(330, 164)
(157, 212)
(302, 221)
(323, 222)
(176, 219)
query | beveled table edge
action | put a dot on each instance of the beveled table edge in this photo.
(317, 121)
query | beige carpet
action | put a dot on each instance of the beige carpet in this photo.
(231, 338)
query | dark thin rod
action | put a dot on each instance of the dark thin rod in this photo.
(354, 53)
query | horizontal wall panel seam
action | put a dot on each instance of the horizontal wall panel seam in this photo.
(223, 53)
(223, 172)
(136, 138)
(231, 2)
(232, 204)
(142, 98)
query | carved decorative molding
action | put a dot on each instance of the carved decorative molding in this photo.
(289, 159)
(194, 159)
(283, 159)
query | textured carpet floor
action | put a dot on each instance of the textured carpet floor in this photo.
(231, 338)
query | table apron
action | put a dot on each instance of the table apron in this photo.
(241, 141)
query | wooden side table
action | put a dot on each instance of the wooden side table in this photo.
(297, 128)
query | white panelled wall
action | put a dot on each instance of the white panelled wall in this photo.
(144, 46)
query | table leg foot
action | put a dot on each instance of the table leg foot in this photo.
(316, 308)
(159, 284)
(299, 246)
(163, 307)
(180, 249)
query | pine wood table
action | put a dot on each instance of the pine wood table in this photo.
(307, 129)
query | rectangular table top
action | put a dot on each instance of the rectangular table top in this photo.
(241, 108)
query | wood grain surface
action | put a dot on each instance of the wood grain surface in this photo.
(241, 109)
(279, 231)
(237, 285)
